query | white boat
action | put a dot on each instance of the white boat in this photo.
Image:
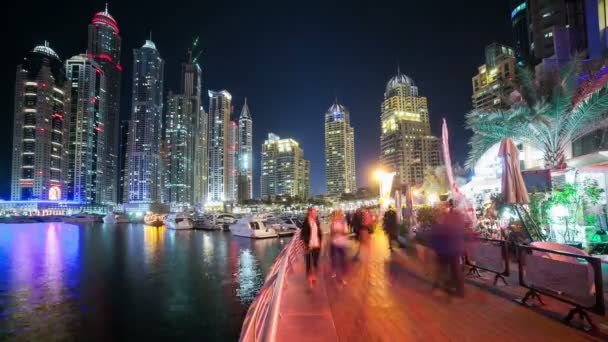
(205, 222)
(224, 221)
(253, 227)
(81, 218)
(179, 221)
(114, 218)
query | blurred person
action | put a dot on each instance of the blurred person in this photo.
(447, 240)
(389, 223)
(339, 244)
(312, 237)
(365, 231)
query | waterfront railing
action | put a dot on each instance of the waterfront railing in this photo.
(262, 318)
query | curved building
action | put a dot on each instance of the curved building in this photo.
(407, 146)
(339, 151)
(41, 126)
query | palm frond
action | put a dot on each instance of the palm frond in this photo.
(527, 86)
(595, 107)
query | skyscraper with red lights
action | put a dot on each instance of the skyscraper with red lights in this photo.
(104, 47)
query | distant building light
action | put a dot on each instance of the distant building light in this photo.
(518, 9)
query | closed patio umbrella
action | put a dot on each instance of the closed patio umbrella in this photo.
(514, 190)
(513, 186)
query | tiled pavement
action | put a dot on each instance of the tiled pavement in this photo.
(389, 298)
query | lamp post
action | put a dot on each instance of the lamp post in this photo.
(385, 179)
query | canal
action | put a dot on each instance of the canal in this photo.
(127, 282)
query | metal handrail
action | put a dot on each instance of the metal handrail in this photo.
(262, 317)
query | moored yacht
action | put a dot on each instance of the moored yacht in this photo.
(179, 221)
(205, 222)
(114, 218)
(253, 227)
(224, 221)
(81, 218)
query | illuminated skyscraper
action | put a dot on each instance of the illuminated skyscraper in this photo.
(407, 146)
(191, 89)
(179, 149)
(245, 144)
(40, 128)
(143, 150)
(339, 151)
(219, 118)
(87, 138)
(232, 162)
(494, 82)
(185, 139)
(285, 172)
(104, 47)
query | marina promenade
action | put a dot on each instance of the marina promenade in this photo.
(390, 298)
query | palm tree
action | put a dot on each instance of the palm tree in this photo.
(547, 112)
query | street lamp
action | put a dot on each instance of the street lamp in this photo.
(385, 179)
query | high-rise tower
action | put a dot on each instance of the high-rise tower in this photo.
(179, 149)
(407, 146)
(40, 128)
(339, 151)
(185, 140)
(143, 150)
(245, 144)
(191, 89)
(219, 118)
(87, 138)
(285, 172)
(104, 47)
(494, 82)
(232, 162)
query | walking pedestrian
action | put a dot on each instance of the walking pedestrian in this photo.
(389, 223)
(365, 231)
(339, 244)
(447, 239)
(312, 237)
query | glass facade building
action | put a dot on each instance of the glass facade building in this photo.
(87, 138)
(339, 151)
(104, 46)
(219, 118)
(143, 151)
(245, 157)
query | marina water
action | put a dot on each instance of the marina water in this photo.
(127, 282)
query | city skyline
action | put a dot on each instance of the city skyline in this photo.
(259, 76)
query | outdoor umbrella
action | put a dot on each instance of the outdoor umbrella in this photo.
(513, 187)
(460, 200)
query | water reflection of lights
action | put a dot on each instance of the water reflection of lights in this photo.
(207, 246)
(249, 276)
(154, 241)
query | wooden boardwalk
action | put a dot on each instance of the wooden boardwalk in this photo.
(389, 298)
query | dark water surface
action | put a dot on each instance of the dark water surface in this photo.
(127, 282)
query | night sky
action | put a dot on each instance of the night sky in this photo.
(290, 59)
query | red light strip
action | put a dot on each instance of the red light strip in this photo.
(105, 56)
(107, 22)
